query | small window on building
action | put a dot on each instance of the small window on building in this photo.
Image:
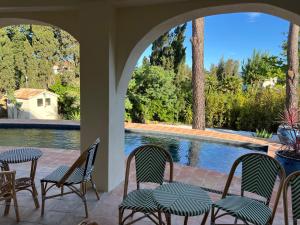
(40, 102)
(48, 101)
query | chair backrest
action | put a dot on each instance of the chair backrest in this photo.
(86, 160)
(90, 158)
(7, 183)
(150, 165)
(259, 173)
(293, 181)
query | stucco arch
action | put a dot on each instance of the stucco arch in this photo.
(65, 20)
(161, 25)
(4, 22)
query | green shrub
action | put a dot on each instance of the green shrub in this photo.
(155, 94)
(152, 94)
(74, 116)
(263, 134)
(261, 109)
(251, 110)
(68, 100)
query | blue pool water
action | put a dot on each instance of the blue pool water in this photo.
(210, 155)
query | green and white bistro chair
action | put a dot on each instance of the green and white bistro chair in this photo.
(150, 166)
(293, 181)
(259, 174)
(75, 178)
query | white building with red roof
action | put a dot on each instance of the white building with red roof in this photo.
(33, 104)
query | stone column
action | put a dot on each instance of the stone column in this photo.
(102, 110)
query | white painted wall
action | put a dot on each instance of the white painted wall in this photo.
(49, 112)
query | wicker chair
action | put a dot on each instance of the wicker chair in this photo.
(8, 192)
(150, 165)
(292, 180)
(259, 173)
(79, 173)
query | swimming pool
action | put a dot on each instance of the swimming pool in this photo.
(206, 154)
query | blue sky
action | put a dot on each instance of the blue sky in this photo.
(236, 35)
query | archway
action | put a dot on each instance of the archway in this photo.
(160, 33)
(158, 28)
(41, 63)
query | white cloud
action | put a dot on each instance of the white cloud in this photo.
(252, 16)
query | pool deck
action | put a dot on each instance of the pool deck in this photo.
(42, 124)
(205, 134)
(68, 210)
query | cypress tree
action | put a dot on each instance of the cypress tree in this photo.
(168, 50)
(178, 47)
(7, 72)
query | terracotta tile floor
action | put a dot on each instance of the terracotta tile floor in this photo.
(184, 130)
(69, 209)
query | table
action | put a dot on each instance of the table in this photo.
(183, 200)
(21, 155)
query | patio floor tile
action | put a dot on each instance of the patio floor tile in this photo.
(68, 210)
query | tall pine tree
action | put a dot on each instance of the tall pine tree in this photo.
(198, 79)
(292, 75)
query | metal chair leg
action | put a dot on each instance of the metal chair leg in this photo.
(7, 207)
(159, 218)
(168, 218)
(212, 220)
(204, 218)
(235, 220)
(133, 212)
(43, 191)
(83, 186)
(16, 206)
(34, 195)
(121, 212)
(186, 220)
(94, 188)
(85, 207)
(32, 176)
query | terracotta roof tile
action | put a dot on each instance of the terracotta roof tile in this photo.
(27, 93)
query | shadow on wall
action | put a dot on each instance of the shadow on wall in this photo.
(14, 111)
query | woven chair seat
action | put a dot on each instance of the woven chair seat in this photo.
(246, 209)
(56, 176)
(140, 200)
